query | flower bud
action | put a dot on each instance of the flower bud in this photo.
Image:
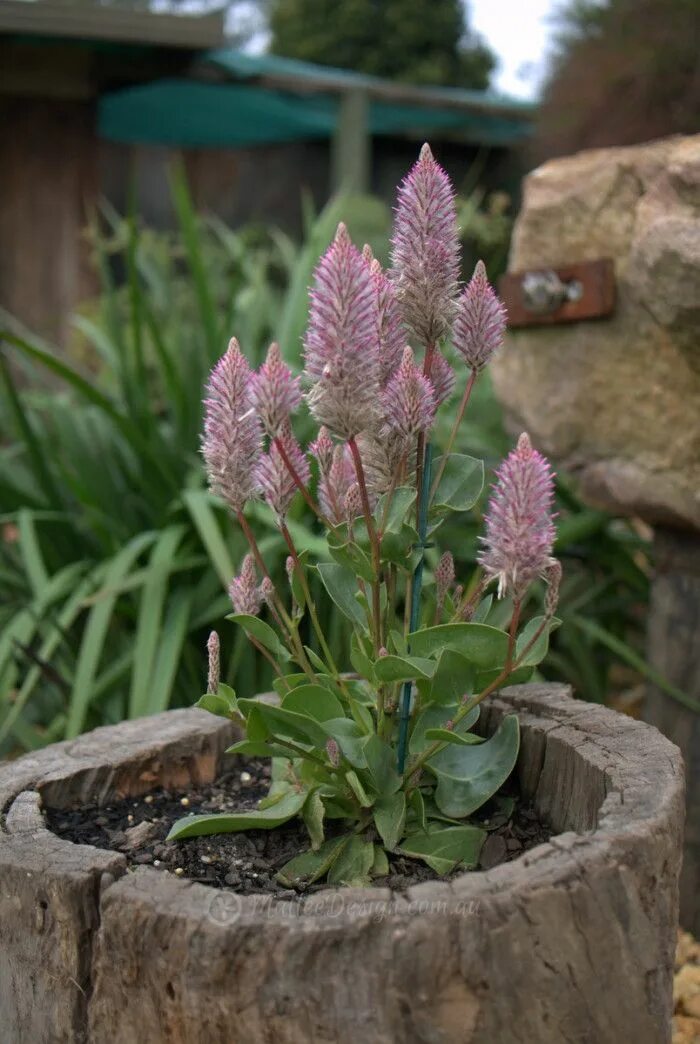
(213, 651)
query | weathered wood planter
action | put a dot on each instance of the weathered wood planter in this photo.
(572, 942)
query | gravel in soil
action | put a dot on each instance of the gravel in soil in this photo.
(248, 861)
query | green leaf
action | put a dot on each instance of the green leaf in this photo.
(258, 629)
(381, 766)
(201, 508)
(453, 678)
(313, 813)
(315, 701)
(310, 866)
(390, 818)
(300, 728)
(341, 585)
(539, 650)
(443, 850)
(403, 668)
(462, 739)
(353, 863)
(461, 483)
(402, 500)
(358, 790)
(485, 647)
(229, 822)
(223, 702)
(469, 776)
(417, 807)
(351, 557)
(259, 749)
(380, 864)
(350, 738)
(359, 659)
(435, 716)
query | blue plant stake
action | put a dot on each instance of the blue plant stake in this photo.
(415, 600)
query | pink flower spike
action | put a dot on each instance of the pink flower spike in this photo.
(322, 450)
(214, 672)
(342, 341)
(425, 253)
(392, 338)
(243, 590)
(273, 476)
(231, 445)
(275, 392)
(442, 378)
(408, 401)
(480, 323)
(519, 522)
(333, 486)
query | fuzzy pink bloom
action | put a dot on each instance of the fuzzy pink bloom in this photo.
(275, 392)
(243, 590)
(353, 502)
(425, 253)
(214, 672)
(480, 323)
(333, 486)
(267, 591)
(409, 400)
(342, 341)
(392, 338)
(519, 522)
(322, 450)
(442, 378)
(277, 485)
(232, 434)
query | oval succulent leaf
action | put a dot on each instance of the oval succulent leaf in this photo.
(461, 483)
(262, 632)
(228, 823)
(469, 776)
(444, 849)
(483, 646)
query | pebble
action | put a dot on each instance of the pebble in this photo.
(493, 852)
(143, 858)
(185, 802)
(179, 871)
(156, 862)
(246, 777)
(148, 799)
(206, 859)
(101, 821)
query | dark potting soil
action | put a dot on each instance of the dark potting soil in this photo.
(247, 862)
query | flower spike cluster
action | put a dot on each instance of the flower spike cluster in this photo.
(342, 341)
(232, 441)
(480, 324)
(519, 523)
(392, 339)
(425, 253)
(334, 484)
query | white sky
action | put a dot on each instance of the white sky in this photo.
(518, 33)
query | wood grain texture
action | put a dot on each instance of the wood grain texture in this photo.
(673, 648)
(571, 942)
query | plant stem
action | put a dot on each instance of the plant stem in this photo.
(374, 544)
(512, 632)
(298, 482)
(415, 604)
(453, 434)
(299, 570)
(268, 656)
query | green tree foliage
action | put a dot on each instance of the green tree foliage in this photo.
(414, 41)
(624, 71)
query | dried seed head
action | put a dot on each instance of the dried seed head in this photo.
(274, 477)
(342, 341)
(444, 576)
(275, 392)
(552, 576)
(425, 255)
(382, 455)
(408, 402)
(243, 590)
(214, 657)
(333, 752)
(519, 522)
(480, 322)
(232, 441)
(353, 502)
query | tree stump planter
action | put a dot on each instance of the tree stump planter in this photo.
(573, 941)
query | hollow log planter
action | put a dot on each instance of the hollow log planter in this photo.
(573, 941)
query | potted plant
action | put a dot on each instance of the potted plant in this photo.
(386, 766)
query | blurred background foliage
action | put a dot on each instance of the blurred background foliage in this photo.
(114, 559)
